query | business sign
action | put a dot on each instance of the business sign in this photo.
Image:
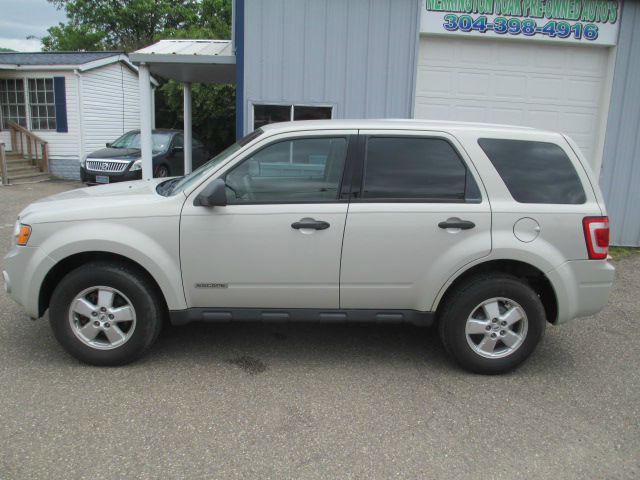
(592, 22)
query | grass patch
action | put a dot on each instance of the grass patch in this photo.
(618, 253)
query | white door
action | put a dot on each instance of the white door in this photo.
(536, 84)
(418, 216)
(277, 243)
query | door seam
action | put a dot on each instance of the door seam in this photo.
(344, 232)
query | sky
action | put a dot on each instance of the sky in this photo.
(22, 18)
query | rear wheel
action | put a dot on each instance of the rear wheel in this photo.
(106, 314)
(492, 323)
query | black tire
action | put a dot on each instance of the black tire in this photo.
(149, 311)
(459, 306)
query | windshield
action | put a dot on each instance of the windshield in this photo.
(201, 172)
(159, 141)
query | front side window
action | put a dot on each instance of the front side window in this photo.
(42, 104)
(407, 168)
(12, 103)
(293, 171)
(535, 172)
(266, 114)
(203, 170)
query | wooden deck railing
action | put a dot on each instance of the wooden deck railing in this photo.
(3, 165)
(29, 145)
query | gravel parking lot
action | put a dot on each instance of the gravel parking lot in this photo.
(319, 401)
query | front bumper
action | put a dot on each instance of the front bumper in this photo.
(89, 176)
(582, 287)
(24, 271)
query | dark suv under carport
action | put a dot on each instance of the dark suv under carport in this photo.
(120, 160)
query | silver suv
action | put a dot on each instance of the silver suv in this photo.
(488, 231)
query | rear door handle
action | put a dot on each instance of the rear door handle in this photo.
(461, 224)
(310, 223)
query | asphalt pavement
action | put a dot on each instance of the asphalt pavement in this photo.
(305, 401)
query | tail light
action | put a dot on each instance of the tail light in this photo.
(596, 234)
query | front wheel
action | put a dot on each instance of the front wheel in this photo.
(162, 171)
(492, 323)
(105, 314)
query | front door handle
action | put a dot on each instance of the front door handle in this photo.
(456, 223)
(310, 223)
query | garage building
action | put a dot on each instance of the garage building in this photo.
(562, 65)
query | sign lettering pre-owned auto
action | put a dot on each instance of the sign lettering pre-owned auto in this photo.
(584, 21)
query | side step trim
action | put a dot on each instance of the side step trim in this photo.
(217, 315)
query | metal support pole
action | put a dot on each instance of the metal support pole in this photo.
(144, 80)
(3, 165)
(153, 108)
(188, 134)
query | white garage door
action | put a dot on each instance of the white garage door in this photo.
(549, 86)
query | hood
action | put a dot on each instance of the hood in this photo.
(119, 153)
(117, 200)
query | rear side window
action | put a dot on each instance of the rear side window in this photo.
(535, 172)
(408, 168)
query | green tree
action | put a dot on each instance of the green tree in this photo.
(129, 25)
(72, 38)
(124, 24)
(213, 112)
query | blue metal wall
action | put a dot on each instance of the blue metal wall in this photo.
(357, 55)
(620, 174)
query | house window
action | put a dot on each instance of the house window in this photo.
(12, 104)
(266, 114)
(42, 104)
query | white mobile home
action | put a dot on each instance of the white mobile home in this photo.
(76, 102)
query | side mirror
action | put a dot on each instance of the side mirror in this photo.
(108, 145)
(213, 195)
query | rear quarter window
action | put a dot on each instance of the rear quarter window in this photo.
(535, 172)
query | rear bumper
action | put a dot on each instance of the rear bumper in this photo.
(582, 287)
(87, 176)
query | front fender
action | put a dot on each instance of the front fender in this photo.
(151, 242)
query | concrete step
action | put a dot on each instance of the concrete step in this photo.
(18, 161)
(14, 170)
(30, 177)
(22, 170)
(17, 165)
(20, 164)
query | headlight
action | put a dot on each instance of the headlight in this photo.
(21, 233)
(137, 165)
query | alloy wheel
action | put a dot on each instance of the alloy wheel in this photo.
(102, 317)
(496, 328)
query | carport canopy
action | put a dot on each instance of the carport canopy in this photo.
(186, 61)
